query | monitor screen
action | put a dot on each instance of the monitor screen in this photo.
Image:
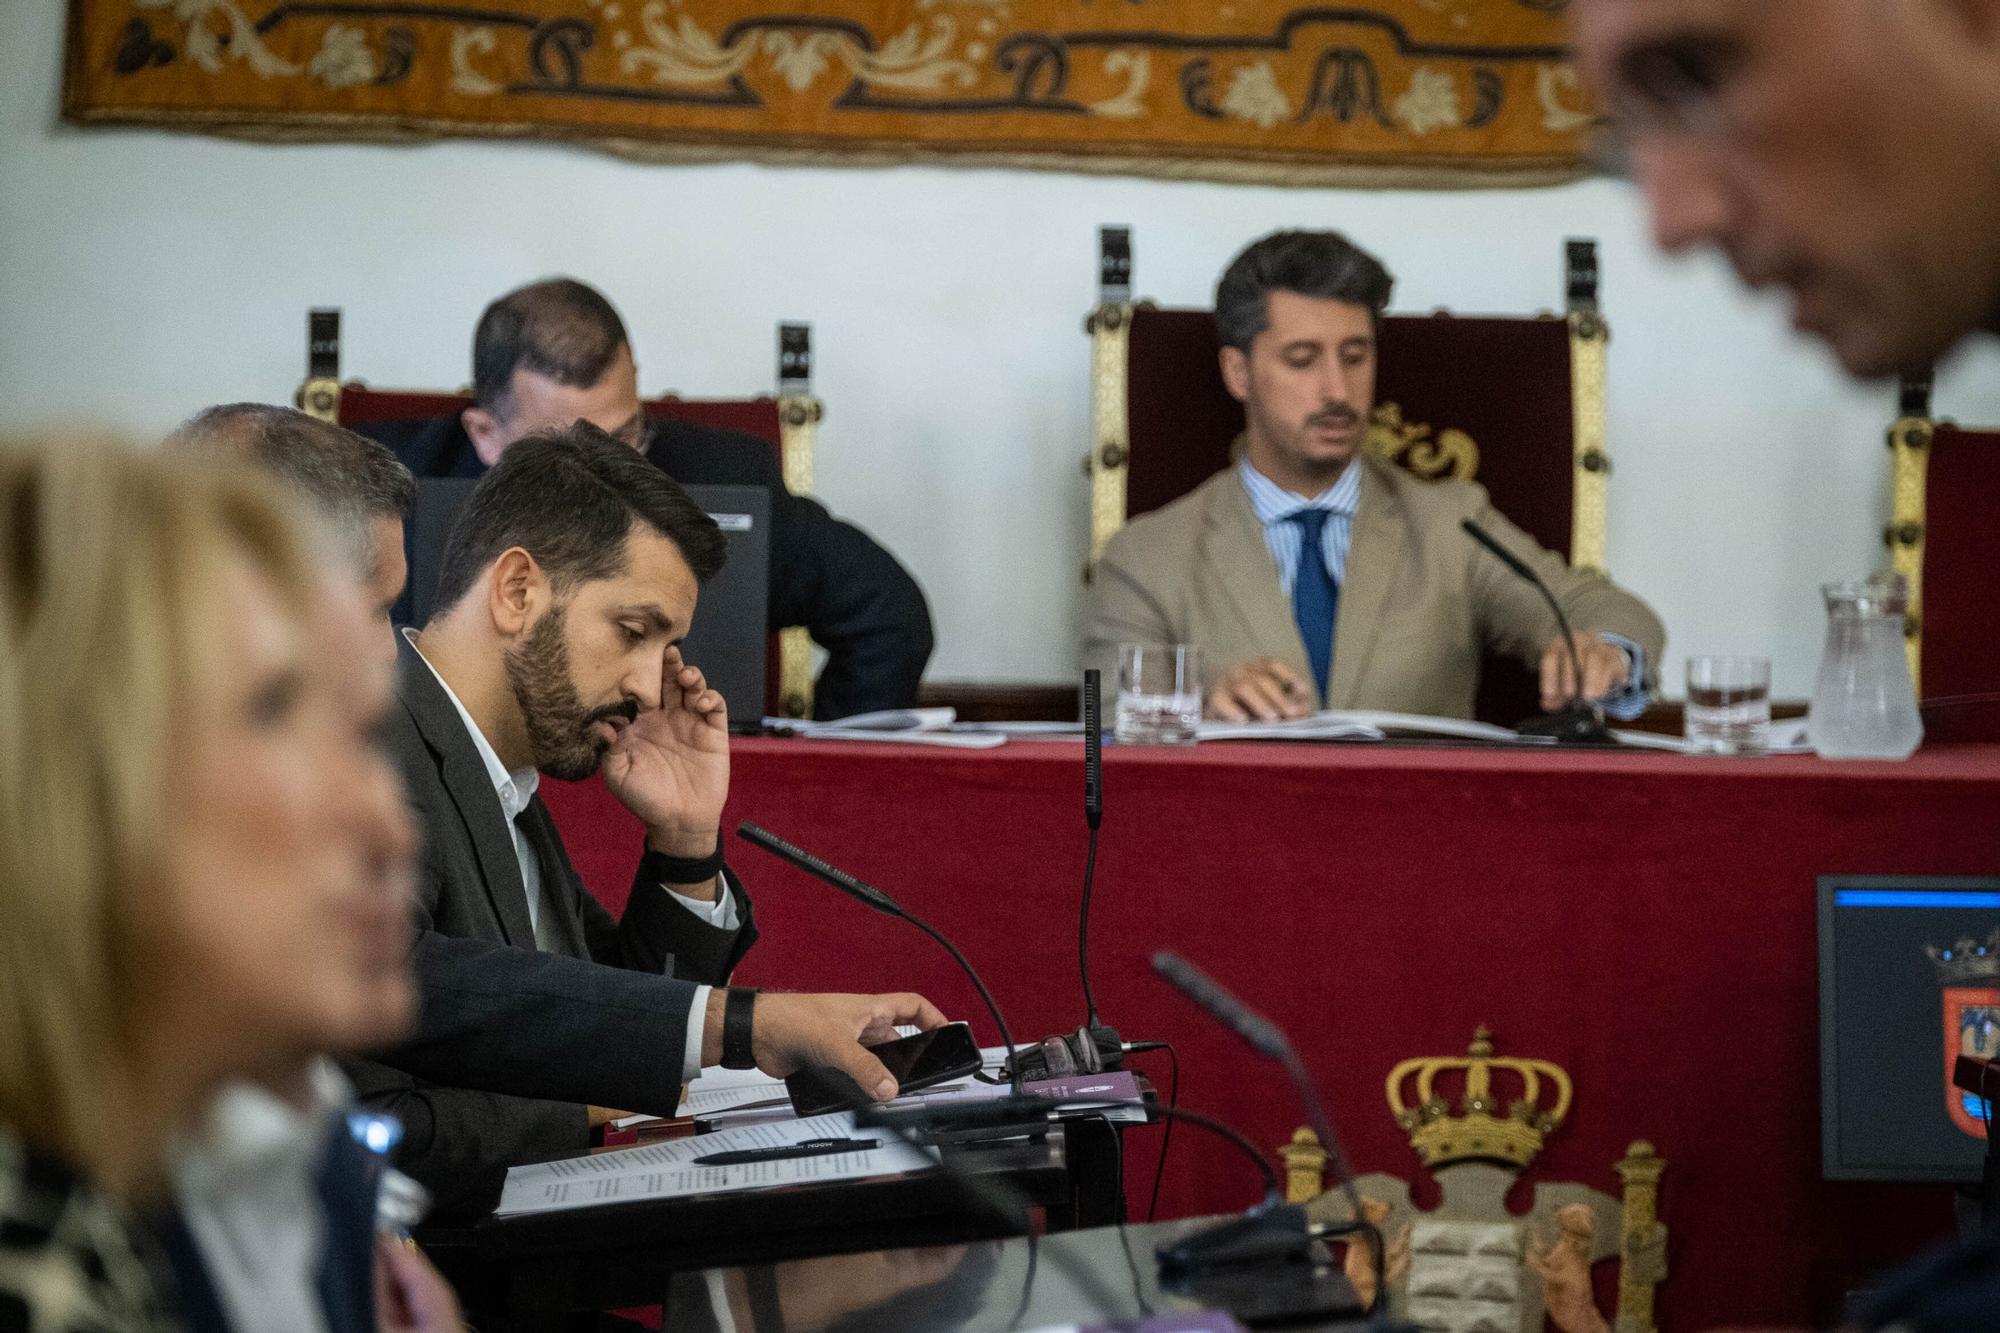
(1909, 979)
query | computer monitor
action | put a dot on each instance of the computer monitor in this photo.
(728, 641)
(1909, 979)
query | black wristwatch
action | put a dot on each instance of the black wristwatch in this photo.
(738, 1008)
(664, 869)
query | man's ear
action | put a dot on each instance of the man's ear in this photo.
(483, 428)
(1236, 373)
(517, 592)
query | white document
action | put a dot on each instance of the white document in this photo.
(1354, 724)
(1787, 737)
(667, 1170)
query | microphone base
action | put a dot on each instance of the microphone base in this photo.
(1269, 1233)
(1577, 724)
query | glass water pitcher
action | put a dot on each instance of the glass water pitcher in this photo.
(1864, 705)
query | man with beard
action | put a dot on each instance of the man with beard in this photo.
(566, 587)
(1314, 575)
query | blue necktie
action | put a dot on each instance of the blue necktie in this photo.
(1315, 596)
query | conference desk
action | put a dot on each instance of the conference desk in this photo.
(1644, 920)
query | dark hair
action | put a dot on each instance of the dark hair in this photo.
(348, 479)
(557, 327)
(569, 498)
(1311, 263)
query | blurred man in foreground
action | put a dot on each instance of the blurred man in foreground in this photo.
(1848, 152)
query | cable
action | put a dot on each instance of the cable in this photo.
(1167, 1134)
(1083, 928)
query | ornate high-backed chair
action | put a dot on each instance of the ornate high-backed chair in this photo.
(1944, 537)
(789, 421)
(1515, 403)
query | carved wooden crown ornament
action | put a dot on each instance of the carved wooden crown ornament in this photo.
(1478, 1130)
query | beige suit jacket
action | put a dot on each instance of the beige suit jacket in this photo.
(1420, 604)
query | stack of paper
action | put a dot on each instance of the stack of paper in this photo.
(904, 726)
(1356, 724)
(667, 1170)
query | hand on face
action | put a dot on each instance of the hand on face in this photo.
(1605, 668)
(670, 765)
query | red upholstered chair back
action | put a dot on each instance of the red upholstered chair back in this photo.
(1961, 580)
(1504, 383)
(361, 405)
(1494, 400)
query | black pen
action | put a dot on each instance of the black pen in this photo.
(808, 1148)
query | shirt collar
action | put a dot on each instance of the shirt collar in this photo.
(247, 1129)
(1273, 504)
(516, 789)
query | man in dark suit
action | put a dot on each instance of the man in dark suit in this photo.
(555, 352)
(566, 587)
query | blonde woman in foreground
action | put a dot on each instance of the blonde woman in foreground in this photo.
(203, 858)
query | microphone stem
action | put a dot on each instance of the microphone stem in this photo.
(1083, 930)
(1006, 1037)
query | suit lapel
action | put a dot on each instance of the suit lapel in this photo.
(470, 787)
(1237, 571)
(1374, 560)
(566, 927)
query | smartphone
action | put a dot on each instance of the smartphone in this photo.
(918, 1062)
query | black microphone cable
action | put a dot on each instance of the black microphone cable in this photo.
(1166, 1133)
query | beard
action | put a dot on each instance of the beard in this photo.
(560, 740)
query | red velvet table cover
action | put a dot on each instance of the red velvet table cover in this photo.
(1644, 920)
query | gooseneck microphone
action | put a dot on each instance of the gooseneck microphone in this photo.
(1579, 720)
(1268, 1040)
(882, 902)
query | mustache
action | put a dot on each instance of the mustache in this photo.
(1339, 416)
(627, 711)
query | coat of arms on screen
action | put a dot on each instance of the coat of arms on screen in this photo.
(1470, 1265)
(1968, 974)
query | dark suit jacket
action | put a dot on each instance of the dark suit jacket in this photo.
(513, 1043)
(852, 596)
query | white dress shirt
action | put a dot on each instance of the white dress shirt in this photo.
(515, 790)
(245, 1180)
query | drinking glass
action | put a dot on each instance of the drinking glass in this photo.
(1159, 693)
(1728, 705)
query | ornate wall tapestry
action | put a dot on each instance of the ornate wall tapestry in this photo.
(1391, 91)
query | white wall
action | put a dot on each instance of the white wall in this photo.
(143, 275)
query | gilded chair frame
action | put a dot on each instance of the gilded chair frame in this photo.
(1110, 328)
(1909, 442)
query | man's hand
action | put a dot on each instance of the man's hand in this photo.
(670, 767)
(789, 1032)
(1265, 689)
(1605, 668)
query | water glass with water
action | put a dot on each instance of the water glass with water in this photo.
(1159, 693)
(1728, 705)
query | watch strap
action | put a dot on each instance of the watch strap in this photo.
(738, 1009)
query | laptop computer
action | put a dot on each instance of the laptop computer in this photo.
(728, 641)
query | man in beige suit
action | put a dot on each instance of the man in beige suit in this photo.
(1314, 575)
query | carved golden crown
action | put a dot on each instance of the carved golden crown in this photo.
(1480, 1130)
(1967, 962)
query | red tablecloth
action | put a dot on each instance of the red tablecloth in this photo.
(1644, 920)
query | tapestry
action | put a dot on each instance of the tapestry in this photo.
(1390, 92)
